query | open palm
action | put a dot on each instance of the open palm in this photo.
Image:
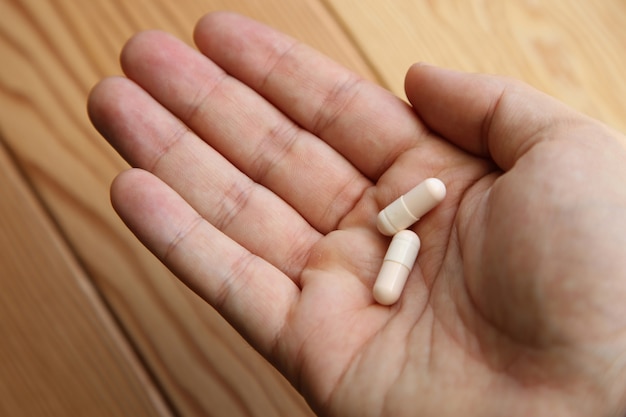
(263, 166)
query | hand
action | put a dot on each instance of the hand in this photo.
(261, 166)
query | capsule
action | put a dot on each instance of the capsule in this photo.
(408, 208)
(397, 265)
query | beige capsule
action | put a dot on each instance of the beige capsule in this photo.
(408, 208)
(396, 267)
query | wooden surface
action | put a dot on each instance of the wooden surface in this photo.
(91, 324)
(60, 353)
(574, 50)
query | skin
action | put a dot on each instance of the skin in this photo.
(260, 166)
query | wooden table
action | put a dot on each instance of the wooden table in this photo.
(90, 323)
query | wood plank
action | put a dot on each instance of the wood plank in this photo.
(60, 353)
(571, 49)
(53, 52)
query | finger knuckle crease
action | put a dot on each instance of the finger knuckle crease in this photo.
(337, 101)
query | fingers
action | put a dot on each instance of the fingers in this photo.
(252, 294)
(363, 122)
(150, 137)
(486, 115)
(241, 125)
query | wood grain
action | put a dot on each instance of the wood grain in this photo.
(60, 352)
(53, 52)
(571, 49)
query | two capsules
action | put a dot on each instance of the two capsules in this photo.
(393, 220)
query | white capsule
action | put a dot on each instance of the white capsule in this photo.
(397, 265)
(408, 208)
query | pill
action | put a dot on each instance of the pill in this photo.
(408, 208)
(397, 265)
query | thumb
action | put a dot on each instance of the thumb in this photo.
(487, 115)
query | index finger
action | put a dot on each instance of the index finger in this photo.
(367, 124)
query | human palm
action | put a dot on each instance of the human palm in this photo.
(268, 164)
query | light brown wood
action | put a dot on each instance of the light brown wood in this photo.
(60, 352)
(571, 49)
(53, 52)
